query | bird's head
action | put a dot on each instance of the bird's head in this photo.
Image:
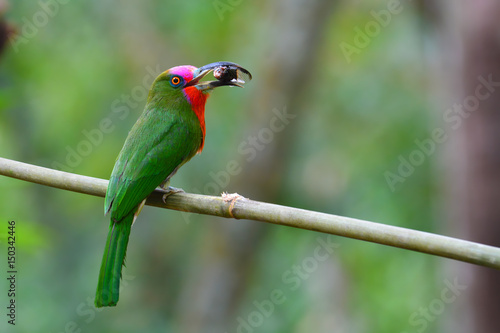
(187, 79)
(183, 83)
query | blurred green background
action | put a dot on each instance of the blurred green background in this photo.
(74, 64)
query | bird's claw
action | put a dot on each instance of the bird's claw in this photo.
(169, 191)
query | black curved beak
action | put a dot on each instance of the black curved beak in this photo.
(227, 74)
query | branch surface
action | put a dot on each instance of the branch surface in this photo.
(242, 208)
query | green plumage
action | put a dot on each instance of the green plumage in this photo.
(166, 135)
(108, 287)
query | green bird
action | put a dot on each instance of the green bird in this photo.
(169, 132)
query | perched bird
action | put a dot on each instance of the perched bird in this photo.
(170, 131)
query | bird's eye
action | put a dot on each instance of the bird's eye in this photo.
(175, 81)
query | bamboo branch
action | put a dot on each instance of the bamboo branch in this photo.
(242, 208)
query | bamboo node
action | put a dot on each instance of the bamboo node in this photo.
(232, 198)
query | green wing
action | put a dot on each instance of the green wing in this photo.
(158, 144)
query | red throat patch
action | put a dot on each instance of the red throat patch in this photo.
(197, 99)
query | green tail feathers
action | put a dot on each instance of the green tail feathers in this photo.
(108, 287)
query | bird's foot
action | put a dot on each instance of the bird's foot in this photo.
(169, 191)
